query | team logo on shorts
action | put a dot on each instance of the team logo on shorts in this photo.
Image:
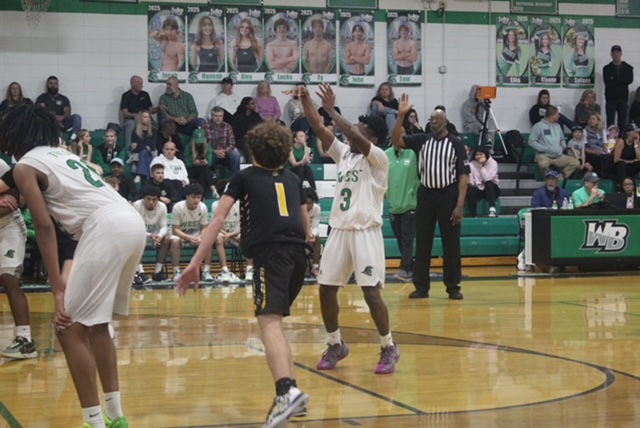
(11, 254)
(368, 271)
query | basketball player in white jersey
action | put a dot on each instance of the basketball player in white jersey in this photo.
(355, 243)
(13, 239)
(111, 239)
(156, 221)
(190, 218)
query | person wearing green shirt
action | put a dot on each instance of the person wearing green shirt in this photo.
(402, 196)
(588, 195)
(198, 158)
(178, 106)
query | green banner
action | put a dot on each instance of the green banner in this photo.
(205, 47)
(546, 51)
(166, 49)
(579, 53)
(245, 44)
(404, 48)
(512, 51)
(594, 237)
(628, 8)
(318, 29)
(535, 7)
(357, 48)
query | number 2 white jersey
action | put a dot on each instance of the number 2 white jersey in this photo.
(75, 191)
(360, 187)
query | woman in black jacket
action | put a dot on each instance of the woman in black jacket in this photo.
(244, 119)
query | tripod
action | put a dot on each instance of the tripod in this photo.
(484, 133)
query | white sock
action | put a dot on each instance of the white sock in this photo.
(24, 331)
(492, 209)
(93, 416)
(159, 267)
(207, 268)
(386, 341)
(176, 270)
(249, 268)
(140, 268)
(225, 269)
(113, 404)
(335, 338)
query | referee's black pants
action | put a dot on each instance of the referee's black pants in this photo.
(436, 205)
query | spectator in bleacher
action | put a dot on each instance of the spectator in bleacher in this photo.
(626, 155)
(81, 147)
(324, 156)
(385, 105)
(634, 110)
(314, 211)
(548, 141)
(550, 192)
(617, 76)
(156, 220)
(190, 218)
(444, 177)
(411, 123)
(596, 150)
(178, 106)
(589, 195)
(483, 182)
(169, 132)
(60, 106)
(132, 102)
(472, 112)
(577, 148)
(143, 145)
(245, 118)
(220, 137)
(402, 194)
(174, 169)
(538, 111)
(168, 194)
(629, 189)
(586, 107)
(267, 105)
(108, 151)
(300, 158)
(451, 128)
(126, 186)
(226, 99)
(198, 158)
(296, 114)
(14, 97)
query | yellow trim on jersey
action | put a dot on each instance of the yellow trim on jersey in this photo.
(282, 200)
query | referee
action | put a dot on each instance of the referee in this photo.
(443, 170)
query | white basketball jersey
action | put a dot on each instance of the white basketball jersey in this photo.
(232, 221)
(75, 191)
(190, 222)
(360, 187)
(155, 221)
(17, 214)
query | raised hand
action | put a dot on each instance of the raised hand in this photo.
(404, 105)
(327, 96)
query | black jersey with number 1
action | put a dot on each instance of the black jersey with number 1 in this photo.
(270, 207)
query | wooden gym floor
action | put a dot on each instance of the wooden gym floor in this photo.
(534, 352)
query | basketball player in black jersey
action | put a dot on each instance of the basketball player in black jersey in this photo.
(274, 228)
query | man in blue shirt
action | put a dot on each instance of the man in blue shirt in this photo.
(544, 196)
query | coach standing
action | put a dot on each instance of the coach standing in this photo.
(617, 76)
(443, 170)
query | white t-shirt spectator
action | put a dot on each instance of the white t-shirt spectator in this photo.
(191, 222)
(174, 169)
(156, 221)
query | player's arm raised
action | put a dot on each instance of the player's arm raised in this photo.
(316, 121)
(403, 109)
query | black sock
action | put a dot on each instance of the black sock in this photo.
(283, 386)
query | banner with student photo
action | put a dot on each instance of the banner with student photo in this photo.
(404, 48)
(282, 45)
(206, 44)
(579, 58)
(512, 51)
(166, 49)
(545, 63)
(356, 48)
(245, 44)
(318, 54)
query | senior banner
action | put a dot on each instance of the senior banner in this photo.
(166, 48)
(245, 44)
(356, 48)
(206, 44)
(282, 45)
(512, 51)
(545, 63)
(579, 53)
(318, 29)
(404, 48)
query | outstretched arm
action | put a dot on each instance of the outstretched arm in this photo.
(316, 121)
(403, 109)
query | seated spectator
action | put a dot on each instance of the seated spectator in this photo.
(131, 103)
(169, 132)
(143, 145)
(551, 192)
(483, 182)
(626, 155)
(472, 112)
(190, 218)
(411, 123)
(613, 133)
(229, 235)
(537, 112)
(179, 107)
(14, 97)
(155, 219)
(586, 107)
(59, 105)
(629, 189)
(451, 128)
(634, 110)
(175, 170)
(300, 157)
(314, 211)
(168, 194)
(548, 141)
(267, 105)
(108, 151)
(296, 114)
(385, 105)
(596, 151)
(244, 119)
(220, 137)
(126, 186)
(577, 146)
(81, 147)
(226, 99)
(589, 195)
(198, 158)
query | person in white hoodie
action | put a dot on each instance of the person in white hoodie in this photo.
(483, 182)
(174, 169)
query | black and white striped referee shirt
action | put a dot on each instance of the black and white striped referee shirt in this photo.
(440, 162)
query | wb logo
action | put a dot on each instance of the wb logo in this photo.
(606, 236)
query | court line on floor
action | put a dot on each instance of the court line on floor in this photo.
(6, 414)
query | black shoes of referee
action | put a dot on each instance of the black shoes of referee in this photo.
(421, 294)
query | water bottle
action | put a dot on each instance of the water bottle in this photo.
(570, 206)
(565, 204)
(555, 205)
